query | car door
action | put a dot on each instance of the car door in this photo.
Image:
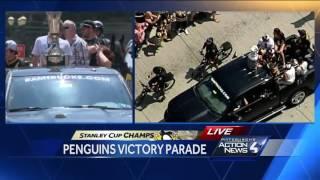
(257, 102)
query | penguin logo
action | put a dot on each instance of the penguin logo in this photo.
(166, 135)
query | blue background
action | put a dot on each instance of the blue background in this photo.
(16, 141)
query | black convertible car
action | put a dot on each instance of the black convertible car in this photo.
(233, 93)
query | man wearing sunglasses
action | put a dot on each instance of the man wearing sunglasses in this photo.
(80, 54)
(12, 60)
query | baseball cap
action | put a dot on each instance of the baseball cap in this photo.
(88, 23)
(254, 48)
(10, 44)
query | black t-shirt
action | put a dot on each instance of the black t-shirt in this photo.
(210, 48)
(19, 63)
(93, 58)
(92, 41)
(157, 80)
(303, 44)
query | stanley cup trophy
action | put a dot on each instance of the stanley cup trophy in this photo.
(55, 56)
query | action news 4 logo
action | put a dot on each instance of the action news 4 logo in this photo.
(240, 146)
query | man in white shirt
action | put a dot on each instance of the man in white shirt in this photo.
(266, 49)
(302, 67)
(80, 54)
(289, 75)
(42, 46)
(265, 42)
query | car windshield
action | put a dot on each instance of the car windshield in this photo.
(38, 92)
(213, 95)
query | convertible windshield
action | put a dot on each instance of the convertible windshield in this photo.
(213, 95)
(88, 91)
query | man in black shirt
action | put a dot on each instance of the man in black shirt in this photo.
(12, 60)
(116, 46)
(303, 44)
(211, 51)
(157, 82)
(99, 32)
(100, 54)
(99, 28)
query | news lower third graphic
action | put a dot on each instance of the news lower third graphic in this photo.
(212, 141)
(240, 146)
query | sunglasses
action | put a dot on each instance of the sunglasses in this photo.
(66, 27)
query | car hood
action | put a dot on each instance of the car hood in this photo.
(188, 107)
(71, 115)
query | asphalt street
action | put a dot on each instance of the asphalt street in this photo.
(242, 29)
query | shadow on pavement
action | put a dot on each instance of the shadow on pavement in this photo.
(203, 17)
(152, 46)
(299, 23)
(191, 75)
(150, 50)
(148, 99)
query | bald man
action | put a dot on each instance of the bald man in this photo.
(80, 54)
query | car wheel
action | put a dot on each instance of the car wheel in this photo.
(297, 97)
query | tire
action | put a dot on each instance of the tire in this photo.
(297, 97)
(224, 52)
(169, 84)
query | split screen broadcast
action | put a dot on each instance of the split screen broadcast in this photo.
(159, 67)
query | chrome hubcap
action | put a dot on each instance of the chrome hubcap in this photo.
(298, 97)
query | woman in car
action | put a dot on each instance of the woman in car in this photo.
(279, 41)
